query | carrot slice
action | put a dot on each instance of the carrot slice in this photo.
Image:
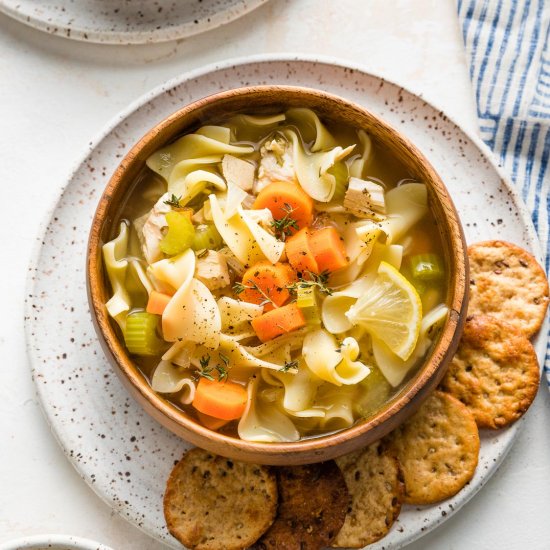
(284, 198)
(328, 249)
(157, 302)
(211, 422)
(271, 280)
(278, 321)
(299, 253)
(224, 400)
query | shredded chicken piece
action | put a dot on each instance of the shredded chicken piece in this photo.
(365, 199)
(152, 231)
(238, 171)
(211, 269)
(276, 164)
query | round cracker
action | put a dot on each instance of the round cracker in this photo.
(507, 283)
(313, 501)
(375, 482)
(437, 449)
(212, 502)
(495, 372)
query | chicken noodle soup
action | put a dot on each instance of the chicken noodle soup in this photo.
(276, 276)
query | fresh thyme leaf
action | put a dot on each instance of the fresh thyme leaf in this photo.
(289, 365)
(316, 280)
(174, 201)
(207, 371)
(283, 226)
(239, 288)
(222, 373)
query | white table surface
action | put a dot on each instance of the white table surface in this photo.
(55, 95)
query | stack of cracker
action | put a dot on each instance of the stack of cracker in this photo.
(213, 503)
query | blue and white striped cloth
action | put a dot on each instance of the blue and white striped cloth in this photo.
(508, 45)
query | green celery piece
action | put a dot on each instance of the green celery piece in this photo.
(206, 237)
(180, 233)
(340, 171)
(141, 334)
(307, 301)
(427, 267)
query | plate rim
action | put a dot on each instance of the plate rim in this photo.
(32, 541)
(228, 64)
(119, 38)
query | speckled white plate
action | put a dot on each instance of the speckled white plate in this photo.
(124, 455)
(126, 21)
(53, 542)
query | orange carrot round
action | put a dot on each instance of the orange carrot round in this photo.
(157, 302)
(328, 249)
(265, 283)
(299, 253)
(278, 321)
(287, 199)
(211, 422)
(224, 400)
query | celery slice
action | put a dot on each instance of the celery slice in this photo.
(180, 233)
(427, 267)
(206, 237)
(140, 334)
(307, 301)
(340, 172)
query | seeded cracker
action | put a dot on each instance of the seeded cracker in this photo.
(212, 502)
(506, 282)
(437, 448)
(375, 482)
(313, 501)
(495, 372)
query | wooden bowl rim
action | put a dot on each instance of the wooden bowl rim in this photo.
(310, 449)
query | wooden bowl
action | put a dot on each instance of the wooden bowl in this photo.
(401, 405)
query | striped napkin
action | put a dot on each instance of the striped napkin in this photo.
(508, 45)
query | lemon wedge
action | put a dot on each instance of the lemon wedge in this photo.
(390, 310)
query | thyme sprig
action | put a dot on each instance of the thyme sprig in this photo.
(316, 280)
(289, 365)
(173, 201)
(239, 288)
(283, 226)
(208, 371)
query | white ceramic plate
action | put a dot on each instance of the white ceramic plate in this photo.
(53, 542)
(126, 21)
(124, 455)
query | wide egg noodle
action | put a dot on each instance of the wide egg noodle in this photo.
(264, 423)
(300, 388)
(236, 235)
(168, 378)
(312, 168)
(357, 166)
(244, 236)
(116, 265)
(337, 403)
(241, 356)
(237, 314)
(394, 368)
(311, 129)
(192, 314)
(193, 146)
(253, 128)
(270, 246)
(406, 205)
